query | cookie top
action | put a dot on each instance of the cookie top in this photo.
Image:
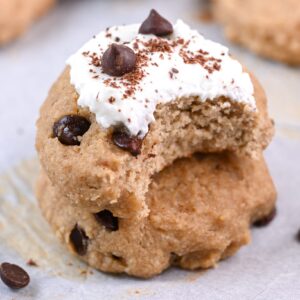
(248, 22)
(96, 167)
(160, 63)
(284, 13)
(17, 15)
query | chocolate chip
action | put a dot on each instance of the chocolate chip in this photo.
(118, 60)
(122, 138)
(266, 220)
(174, 258)
(106, 218)
(199, 156)
(156, 24)
(79, 240)
(69, 128)
(14, 276)
(298, 236)
(119, 258)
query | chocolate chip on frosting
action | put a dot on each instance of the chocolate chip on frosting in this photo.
(118, 60)
(69, 128)
(79, 240)
(122, 138)
(156, 24)
(107, 219)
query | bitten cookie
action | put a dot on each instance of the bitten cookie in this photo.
(269, 28)
(200, 212)
(133, 100)
(17, 15)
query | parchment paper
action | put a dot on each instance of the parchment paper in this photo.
(269, 268)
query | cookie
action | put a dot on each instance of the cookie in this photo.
(17, 15)
(269, 29)
(133, 100)
(200, 210)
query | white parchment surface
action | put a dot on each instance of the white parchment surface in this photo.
(269, 268)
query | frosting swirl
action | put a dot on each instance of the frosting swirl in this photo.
(182, 65)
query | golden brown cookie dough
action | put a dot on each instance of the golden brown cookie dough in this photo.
(269, 28)
(98, 174)
(17, 15)
(200, 210)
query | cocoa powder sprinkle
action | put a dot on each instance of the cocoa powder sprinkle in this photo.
(130, 81)
(111, 100)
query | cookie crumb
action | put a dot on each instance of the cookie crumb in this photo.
(32, 263)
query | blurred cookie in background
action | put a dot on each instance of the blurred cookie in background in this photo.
(269, 28)
(206, 13)
(17, 15)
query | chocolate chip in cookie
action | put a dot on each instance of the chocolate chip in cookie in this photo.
(266, 220)
(118, 60)
(122, 138)
(107, 219)
(79, 240)
(14, 276)
(70, 128)
(156, 24)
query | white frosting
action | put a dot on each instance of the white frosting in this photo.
(136, 112)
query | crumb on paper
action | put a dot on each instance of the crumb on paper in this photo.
(140, 292)
(32, 263)
(83, 272)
